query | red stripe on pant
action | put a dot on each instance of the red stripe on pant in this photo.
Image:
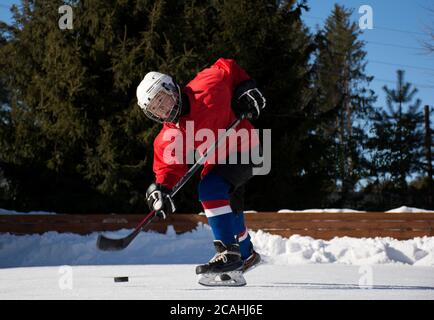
(211, 204)
(243, 235)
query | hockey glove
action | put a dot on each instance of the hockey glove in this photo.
(158, 199)
(248, 101)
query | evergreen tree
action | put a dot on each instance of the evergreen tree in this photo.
(343, 97)
(76, 139)
(75, 130)
(397, 135)
(4, 94)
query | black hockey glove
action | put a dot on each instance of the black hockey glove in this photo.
(158, 199)
(248, 101)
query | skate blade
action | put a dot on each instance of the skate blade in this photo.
(227, 279)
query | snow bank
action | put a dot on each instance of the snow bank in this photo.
(397, 210)
(319, 210)
(52, 249)
(345, 250)
(409, 209)
(9, 212)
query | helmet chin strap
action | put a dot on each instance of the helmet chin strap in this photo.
(179, 100)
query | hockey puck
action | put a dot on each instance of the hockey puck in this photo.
(121, 279)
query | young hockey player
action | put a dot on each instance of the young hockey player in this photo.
(216, 97)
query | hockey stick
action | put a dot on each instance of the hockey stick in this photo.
(107, 244)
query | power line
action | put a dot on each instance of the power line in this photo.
(390, 45)
(400, 30)
(400, 65)
(389, 63)
(375, 27)
(418, 85)
(384, 62)
(371, 61)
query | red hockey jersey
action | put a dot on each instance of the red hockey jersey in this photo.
(210, 94)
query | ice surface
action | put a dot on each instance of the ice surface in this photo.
(178, 282)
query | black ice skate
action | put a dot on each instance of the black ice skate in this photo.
(252, 261)
(224, 269)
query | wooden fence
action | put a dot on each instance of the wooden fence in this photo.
(317, 225)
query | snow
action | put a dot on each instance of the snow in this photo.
(320, 211)
(409, 209)
(53, 249)
(178, 282)
(11, 212)
(161, 266)
(351, 251)
(397, 210)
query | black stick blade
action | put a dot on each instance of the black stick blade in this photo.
(106, 244)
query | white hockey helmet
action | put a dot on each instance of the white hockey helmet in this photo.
(159, 97)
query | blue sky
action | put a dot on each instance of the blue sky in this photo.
(4, 11)
(394, 43)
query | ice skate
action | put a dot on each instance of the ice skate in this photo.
(252, 261)
(224, 269)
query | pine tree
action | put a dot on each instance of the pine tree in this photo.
(397, 135)
(344, 97)
(75, 129)
(75, 124)
(270, 41)
(4, 93)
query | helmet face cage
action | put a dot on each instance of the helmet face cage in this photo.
(165, 105)
(254, 99)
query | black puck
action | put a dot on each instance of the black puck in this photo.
(121, 279)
